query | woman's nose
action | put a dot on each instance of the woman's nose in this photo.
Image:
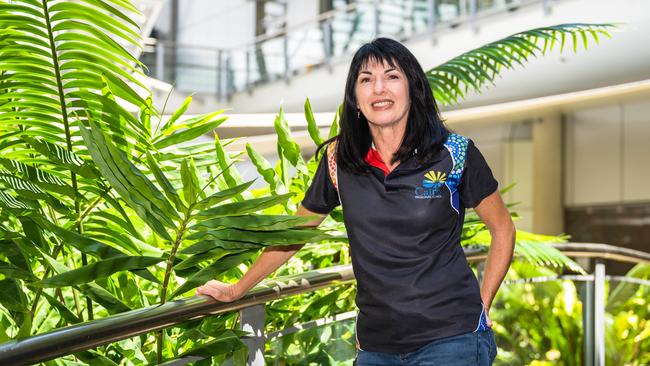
(379, 85)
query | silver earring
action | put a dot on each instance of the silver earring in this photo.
(359, 113)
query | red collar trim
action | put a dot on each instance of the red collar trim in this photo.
(373, 158)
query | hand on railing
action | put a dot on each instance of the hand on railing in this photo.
(221, 291)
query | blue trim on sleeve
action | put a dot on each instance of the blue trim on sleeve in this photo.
(457, 147)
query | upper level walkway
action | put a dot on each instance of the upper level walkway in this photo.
(310, 59)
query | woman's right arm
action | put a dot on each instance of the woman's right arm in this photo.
(268, 262)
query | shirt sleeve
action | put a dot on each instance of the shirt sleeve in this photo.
(321, 196)
(477, 181)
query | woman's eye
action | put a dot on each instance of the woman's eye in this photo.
(364, 80)
(393, 76)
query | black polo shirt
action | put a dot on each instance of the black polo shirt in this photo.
(414, 284)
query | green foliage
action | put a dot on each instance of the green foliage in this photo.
(99, 206)
(472, 70)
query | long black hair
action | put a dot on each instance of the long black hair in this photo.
(425, 131)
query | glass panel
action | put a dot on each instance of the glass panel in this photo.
(332, 344)
(627, 325)
(538, 322)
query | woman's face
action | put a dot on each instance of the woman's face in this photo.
(382, 93)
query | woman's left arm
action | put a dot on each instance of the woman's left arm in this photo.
(496, 217)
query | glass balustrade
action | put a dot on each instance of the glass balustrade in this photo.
(309, 46)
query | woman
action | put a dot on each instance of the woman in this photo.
(404, 182)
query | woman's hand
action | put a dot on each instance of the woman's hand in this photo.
(224, 292)
(488, 321)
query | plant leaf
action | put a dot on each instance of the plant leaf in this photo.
(98, 270)
(247, 206)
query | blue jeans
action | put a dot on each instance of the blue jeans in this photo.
(469, 349)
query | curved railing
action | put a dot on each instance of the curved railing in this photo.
(305, 45)
(81, 337)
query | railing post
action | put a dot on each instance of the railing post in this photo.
(230, 76)
(285, 50)
(248, 70)
(327, 42)
(547, 7)
(252, 320)
(473, 10)
(219, 76)
(377, 17)
(599, 314)
(480, 269)
(160, 60)
(587, 298)
(431, 10)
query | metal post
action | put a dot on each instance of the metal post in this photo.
(431, 10)
(285, 49)
(547, 7)
(480, 270)
(587, 298)
(252, 321)
(377, 18)
(248, 70)
(160, 60)
(599, 314)
(327, 42)
(219, 77)
(473, 9)
(229, 76)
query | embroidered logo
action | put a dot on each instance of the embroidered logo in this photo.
(431, 185)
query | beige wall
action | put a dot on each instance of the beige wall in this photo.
(608, 154)
(579, 156)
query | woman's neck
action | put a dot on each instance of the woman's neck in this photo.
(387, 140)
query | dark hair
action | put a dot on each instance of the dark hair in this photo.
(425, 130)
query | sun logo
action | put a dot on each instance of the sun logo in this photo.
(436, 177)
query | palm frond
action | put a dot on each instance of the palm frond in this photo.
(471, 71)
(56, 54)
(532, 248)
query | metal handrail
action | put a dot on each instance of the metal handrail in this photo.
(84, 336)
(229, 81)
(589, 250)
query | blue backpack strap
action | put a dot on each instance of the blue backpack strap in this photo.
(457, 147)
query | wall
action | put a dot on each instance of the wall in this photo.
(607, 154)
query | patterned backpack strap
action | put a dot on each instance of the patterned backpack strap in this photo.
(331, 163)
(457, 147)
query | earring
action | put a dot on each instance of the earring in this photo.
(359, 113)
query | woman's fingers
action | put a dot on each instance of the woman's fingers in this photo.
(488, 320)
(218, 290)
(211, 291)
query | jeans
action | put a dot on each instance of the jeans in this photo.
(469, 349)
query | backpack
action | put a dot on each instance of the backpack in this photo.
(455, 144)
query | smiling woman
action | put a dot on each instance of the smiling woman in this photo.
(404, 181)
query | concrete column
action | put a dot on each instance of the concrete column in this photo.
(548, 208)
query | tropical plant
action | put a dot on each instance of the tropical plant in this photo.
(101, 210)
(472, 70)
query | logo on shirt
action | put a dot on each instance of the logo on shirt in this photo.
(431, 185)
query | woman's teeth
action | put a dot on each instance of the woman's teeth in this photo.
(382, 103)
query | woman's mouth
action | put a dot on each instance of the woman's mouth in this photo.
(382, 104)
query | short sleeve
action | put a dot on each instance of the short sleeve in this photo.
(321, 196)
(477, 181)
